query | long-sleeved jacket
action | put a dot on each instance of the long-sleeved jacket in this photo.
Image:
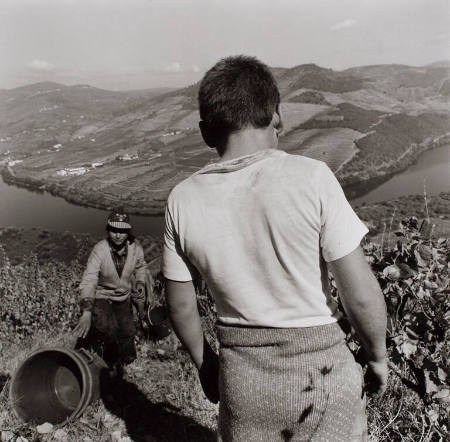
(101, 280)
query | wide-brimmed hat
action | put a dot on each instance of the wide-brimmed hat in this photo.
(119, 220)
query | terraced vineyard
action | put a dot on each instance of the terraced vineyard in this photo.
(101, 148)
(333, 146)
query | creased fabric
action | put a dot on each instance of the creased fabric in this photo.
(288, 385)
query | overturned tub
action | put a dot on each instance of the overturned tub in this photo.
(56, 385)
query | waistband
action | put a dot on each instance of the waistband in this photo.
(303, 339)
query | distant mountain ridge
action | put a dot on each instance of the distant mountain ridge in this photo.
(439, 63)
(43, 85)
(311, 76)
(364, 122)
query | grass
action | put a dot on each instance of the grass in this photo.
(398, 416)
(160, 398)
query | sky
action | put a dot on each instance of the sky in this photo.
(136, 44)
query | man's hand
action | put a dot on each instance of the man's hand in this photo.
(84, 325)
(376, 376)
(209, 373)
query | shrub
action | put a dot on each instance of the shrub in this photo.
(36, 297)
(414, 279)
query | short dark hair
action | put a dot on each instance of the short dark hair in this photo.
(237, 92)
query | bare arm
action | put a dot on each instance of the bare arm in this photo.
(364, 305)
(182, 303)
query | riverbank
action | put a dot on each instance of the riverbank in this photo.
(74, 196)
(354, 186)
(385, 216)
(20, 243)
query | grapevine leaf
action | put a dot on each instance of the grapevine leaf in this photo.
(430, 386)
(425, 252)
(405, 270)
(411, 332)
(392, 272)
(421, 262)
(426, 229)
(408, 348)
(432, 415)
(60, 435)
(442, 396)
(44, 428)
(442, 375)
(441, 242)
(421, 293)
(430, 284)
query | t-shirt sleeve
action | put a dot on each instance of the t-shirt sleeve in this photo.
(175, 265)
(341, 229)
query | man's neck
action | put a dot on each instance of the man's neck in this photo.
(249, 141)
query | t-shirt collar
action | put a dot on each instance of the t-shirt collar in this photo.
(238, 163)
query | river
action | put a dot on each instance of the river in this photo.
(24, 208)
(431, 172)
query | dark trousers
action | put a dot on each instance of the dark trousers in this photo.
(112, 331)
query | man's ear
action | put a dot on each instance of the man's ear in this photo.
(277, 120)
(207, 134)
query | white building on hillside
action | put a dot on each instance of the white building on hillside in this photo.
(72, 171)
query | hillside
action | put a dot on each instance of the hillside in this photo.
(386, 139)
(311, 76)
(101, 148)
(160, 398)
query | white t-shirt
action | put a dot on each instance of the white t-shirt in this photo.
(255, 229)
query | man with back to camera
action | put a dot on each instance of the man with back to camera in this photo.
(256, 226)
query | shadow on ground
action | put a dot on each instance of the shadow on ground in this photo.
(151, 422)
